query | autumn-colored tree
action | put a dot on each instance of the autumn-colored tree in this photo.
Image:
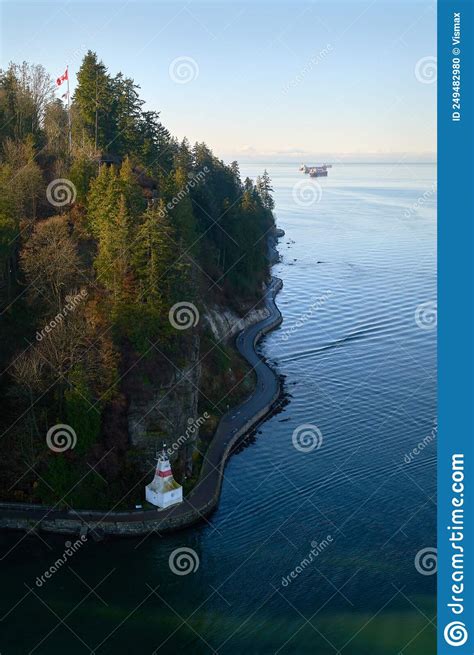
(56, 127)
(155, 222)
(9, 229)
(27, 179)
(25, 92)
(27, 372)
(51, 263)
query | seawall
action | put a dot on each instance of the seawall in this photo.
(205, 495)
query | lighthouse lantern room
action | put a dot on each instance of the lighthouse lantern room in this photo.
(163, 490)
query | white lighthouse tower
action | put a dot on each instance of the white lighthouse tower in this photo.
(163, 491)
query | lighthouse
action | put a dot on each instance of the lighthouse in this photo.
(163, 490)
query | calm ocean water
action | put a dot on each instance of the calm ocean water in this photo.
(358, 355)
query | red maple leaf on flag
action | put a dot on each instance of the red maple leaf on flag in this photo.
(62, 78)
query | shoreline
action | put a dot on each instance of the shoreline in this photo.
(233, 428)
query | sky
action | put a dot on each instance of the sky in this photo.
(279, 80)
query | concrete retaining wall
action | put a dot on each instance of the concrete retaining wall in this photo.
(19, 516)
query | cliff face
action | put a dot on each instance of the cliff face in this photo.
(164, 399)
(162, 407)
(226, 324)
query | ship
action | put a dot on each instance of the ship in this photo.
(318, 171)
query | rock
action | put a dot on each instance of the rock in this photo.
(163, 413)
(225, 324)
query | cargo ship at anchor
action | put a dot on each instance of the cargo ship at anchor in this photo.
(318, 171)
(315, 171)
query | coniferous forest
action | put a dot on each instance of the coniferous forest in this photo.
(107, 222)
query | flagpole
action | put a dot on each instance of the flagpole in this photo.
(69, 111)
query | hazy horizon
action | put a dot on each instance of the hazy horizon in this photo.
(338, 158)
(302, 81)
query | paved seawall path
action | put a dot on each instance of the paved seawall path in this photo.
(203, 499)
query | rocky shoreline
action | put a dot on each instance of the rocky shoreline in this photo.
(232, 430)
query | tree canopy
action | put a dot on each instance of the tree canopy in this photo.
(87, 278)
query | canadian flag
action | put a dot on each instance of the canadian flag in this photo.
(62, 78)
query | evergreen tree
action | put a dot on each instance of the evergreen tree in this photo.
(154, 228)
(102, 200)
(181, 214)
(234, 166)
(158, 265)
(130, 189)
(128, 113)
(114, 253)
(96, 104)
(156, 146)
(265, 190)
(183, 157)
(81, 173)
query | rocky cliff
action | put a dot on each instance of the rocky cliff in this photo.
(166, 402)
(163, 404)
